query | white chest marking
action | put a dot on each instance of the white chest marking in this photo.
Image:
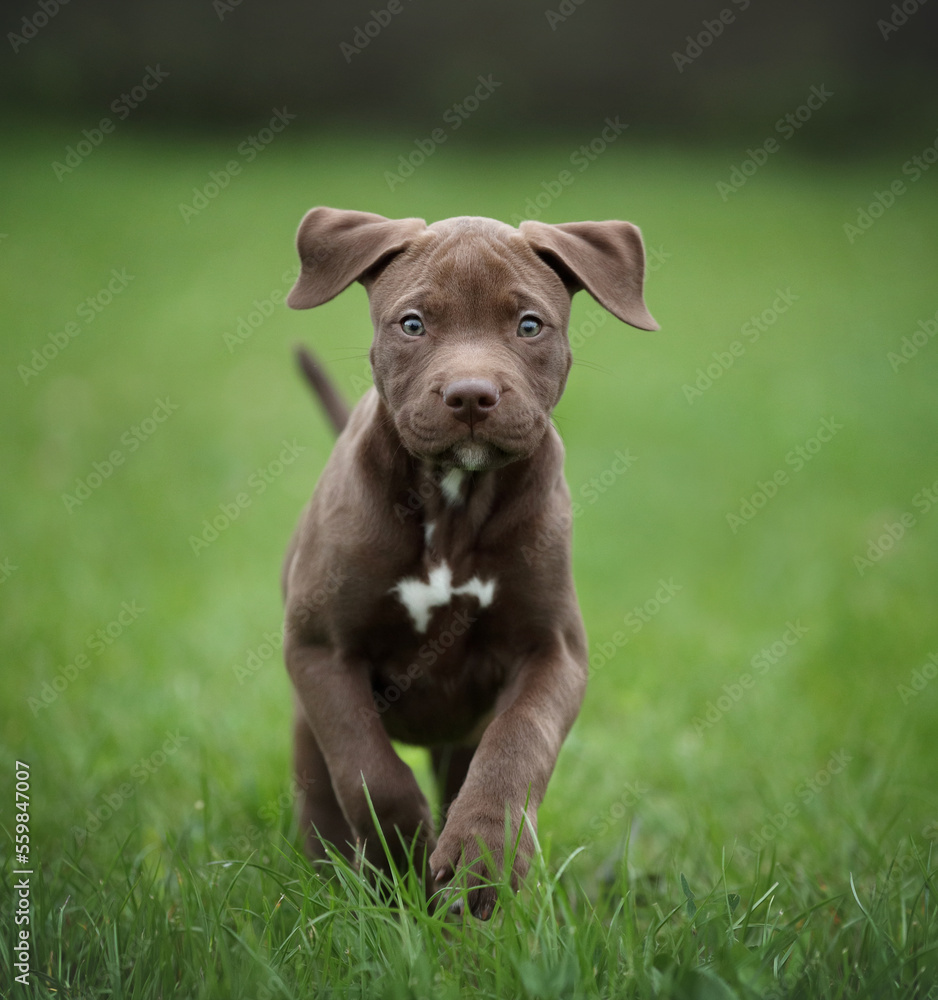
(451, 485)
(421, 598)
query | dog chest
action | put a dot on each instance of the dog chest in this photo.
(439, 686)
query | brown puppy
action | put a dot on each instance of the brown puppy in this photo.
(429, 595)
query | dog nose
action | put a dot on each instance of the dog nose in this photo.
(471, 399)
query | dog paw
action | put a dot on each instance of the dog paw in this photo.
(406, 835)
(470, 859)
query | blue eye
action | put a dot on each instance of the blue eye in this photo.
(529, 327)
(413, 326)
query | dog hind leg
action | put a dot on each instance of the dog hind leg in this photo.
(321, 817)
(450, 766)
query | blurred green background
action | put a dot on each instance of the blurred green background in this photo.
(753, 684)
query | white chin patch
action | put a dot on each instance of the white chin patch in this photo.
(472, 457)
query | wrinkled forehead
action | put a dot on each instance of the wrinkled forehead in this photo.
(471, 262)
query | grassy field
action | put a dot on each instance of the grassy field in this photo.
(747, 806)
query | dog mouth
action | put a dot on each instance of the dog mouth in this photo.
(471, 453)
(487, 444)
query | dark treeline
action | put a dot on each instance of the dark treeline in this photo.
(677, 69)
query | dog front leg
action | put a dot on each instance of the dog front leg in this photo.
(510, 771)
(335, 696)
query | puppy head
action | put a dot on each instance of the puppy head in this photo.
(470, 352)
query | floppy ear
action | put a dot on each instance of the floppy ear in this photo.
(336, 247)
(606, 258)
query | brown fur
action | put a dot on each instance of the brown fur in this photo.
(492, 691)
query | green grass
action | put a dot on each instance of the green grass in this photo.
(722, 822)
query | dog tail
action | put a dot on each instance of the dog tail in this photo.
(337, 410)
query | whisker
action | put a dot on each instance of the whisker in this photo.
(596, 367)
